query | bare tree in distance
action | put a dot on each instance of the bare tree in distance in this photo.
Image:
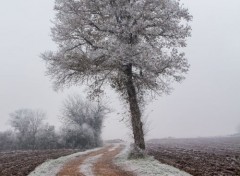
(47, 138)
(27, 123)
(83, 121)
(132, 45)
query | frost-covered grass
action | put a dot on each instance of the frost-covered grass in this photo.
(115, 146)
(86, 167)
(52, 167)
(146, 166)
(142, 167)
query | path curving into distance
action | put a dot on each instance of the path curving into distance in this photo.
(96, 163)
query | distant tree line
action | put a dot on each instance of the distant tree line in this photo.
(81, 127)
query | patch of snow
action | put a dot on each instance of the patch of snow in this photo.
(114, 147)
(86, 167)
(147, 166)
(52, 167)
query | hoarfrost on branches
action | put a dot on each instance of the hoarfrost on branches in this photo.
(82, 122)
(97, 38)
(132, 45)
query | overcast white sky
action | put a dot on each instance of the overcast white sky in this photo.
(207, 103)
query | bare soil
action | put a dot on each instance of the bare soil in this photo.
(200, 156)
(21, 163)
(72, 168)
(105, 166)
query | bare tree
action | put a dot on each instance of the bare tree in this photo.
(82, 122)
(47, 138)
(27, 123)
(131, 45)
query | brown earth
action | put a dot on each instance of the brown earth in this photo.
(21, 163)
(200, 156)
(105, 167)
(72, 167)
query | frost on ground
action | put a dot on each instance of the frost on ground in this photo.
(147, 166)
(52, 167)
(86, 167)
(114, 148)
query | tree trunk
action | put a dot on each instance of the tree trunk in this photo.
(137, 125)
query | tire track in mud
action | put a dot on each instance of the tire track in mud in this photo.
(86, 167)
(105, 167)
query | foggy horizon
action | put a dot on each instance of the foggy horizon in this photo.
(205, 104)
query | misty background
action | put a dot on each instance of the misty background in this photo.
(207, 103)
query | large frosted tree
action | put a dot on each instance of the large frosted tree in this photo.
(132, 45)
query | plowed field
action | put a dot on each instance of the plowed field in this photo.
(200, 156)
(21, 163)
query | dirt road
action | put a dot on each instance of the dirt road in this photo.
(99, 163)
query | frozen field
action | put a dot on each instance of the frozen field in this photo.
(199, 156)
(21, 163)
